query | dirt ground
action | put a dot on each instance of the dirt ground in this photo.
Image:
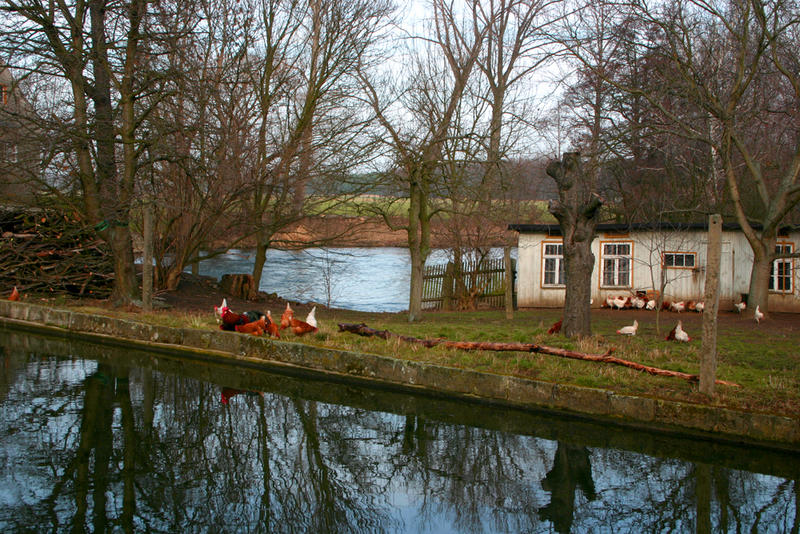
(199, 294)
(777, 324)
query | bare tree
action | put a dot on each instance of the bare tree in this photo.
(309, 132)
(516, 45)
(198, 141)
(476, 173)
(418, 132)
(75, 42)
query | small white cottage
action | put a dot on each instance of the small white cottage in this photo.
(632, 259)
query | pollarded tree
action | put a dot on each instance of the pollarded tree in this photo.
(577, 211)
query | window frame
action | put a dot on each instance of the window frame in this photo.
(559, 259)
(773, 271)
(682, 254)
(616, 257)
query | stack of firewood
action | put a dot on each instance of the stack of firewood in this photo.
(52, 252)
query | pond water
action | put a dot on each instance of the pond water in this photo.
(99, 438)
(372, 279)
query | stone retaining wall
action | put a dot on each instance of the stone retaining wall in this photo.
(705, 421)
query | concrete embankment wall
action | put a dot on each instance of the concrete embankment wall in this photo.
(706, 422)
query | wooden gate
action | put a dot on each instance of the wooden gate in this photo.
(446, 287)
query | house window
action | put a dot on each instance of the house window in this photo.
(553, 265)
(679, 260)
(617, 264)
(780, 279)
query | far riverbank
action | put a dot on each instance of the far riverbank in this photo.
(338, 231)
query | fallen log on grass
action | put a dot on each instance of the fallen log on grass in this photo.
(363, 330)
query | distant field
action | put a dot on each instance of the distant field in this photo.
(375, 205)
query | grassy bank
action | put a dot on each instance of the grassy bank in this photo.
(764, 360)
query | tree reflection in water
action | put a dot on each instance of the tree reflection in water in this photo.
(135, 443)
(572, 469)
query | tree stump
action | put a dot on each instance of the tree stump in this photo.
(239, 285)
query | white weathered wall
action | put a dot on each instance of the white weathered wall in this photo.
(684, 284)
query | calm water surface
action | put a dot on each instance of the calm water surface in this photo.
(96, 438)
(368, 279)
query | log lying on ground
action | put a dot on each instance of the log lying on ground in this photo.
(363, 330)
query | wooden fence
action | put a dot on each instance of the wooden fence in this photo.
(446, 287)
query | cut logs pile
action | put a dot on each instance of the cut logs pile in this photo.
(46, 251)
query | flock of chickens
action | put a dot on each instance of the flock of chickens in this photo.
(677, 333)
(644, 303)
(258, 324)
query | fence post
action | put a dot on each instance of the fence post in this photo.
(509, 298)
(447, 286)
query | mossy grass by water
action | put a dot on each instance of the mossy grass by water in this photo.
(763, 359)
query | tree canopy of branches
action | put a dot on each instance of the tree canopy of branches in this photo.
(721, 75)
(92, 47)
(237, 120)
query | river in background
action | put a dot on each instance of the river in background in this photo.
(374, 279)
(100, 438)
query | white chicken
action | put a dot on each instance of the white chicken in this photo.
(740, 306)
(677, 306)
(680, 335)
(619, 302)
(629, 330)
(651, 305)
(638, 303)
(218, 310)
(311, 319)
(700, 306)
(758, 315)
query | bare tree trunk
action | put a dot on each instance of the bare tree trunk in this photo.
(125, 284)
(260, 261)
(115, 193)
(147, 258)
(578, 267)
(509, 297)
(576, 211)
(758, 291)
(418, 246)
(708, 358)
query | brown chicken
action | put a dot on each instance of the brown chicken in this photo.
(286, 318)
(273, 328)
(256, 328)
(301, 327)
(556, 328)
